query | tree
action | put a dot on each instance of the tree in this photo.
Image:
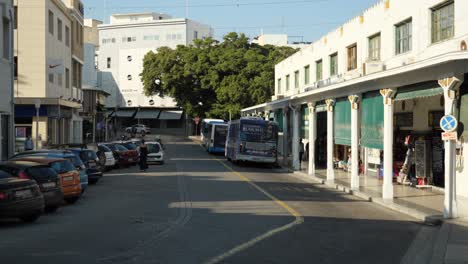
(213, 79)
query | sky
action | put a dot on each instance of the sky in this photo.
(302, 20)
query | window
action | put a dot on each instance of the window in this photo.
(109, 63)
(77, 28)
(195, 34)
(67, 78)
(334, 64)
(403, 37)
(16, 67)
(59, 29)
(296, 79)
(374, 48)
(129, 77)
(319, 70)
(51, 77)
(67, 36)
(60, 79)
(6, 39)
(16, 17)
(129, 58)
(279, 86)
(352, 57)
(51, 22)
(443, 22)
(287, 82)
(307, 74)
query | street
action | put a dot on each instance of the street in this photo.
(199, 208)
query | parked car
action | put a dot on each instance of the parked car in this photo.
(155, 153)
(46, 178)
(61, 154)
(91, 161)
(123, 155)
(20, 198)
(69, 176)
(138, 129)
(106, 157)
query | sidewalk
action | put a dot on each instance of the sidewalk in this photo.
(452, 243)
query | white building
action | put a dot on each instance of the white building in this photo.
(278, 40)
(123, 45)
(6, 77)
(390, 72)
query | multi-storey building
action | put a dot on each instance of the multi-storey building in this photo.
(279, 40)
(362, 89)
(6, 77)
(123, 44)
(49, 57)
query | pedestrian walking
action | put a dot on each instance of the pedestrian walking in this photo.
(28, 144)
(301, 152)
(143, 150)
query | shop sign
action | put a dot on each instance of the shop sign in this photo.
(449, 136)
(448, 123)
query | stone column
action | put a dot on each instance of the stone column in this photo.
(450, 86)
(296, 138)
(285, 136)
(387, 188)
(312, 137)
(267, 115)
(354, 101)
(330, 134)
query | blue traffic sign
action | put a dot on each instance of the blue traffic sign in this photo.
(448, 123)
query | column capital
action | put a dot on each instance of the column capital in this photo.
(311, 107)
(450, 86)
(354, 100)
(388, 94)
(330, 104)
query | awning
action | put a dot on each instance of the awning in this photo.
(125, 113)
(342, 127)
(170, 115)
(304, 122)
(147, 114)
(420, 90)
(372, 121)
(320, 108)
(109, 114)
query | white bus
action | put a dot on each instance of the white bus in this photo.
(205, 127)
(215, 140)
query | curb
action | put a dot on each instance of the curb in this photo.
(421, 216)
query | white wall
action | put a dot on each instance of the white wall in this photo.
(376, 19)
(89, 68)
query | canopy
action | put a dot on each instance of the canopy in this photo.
(420, 90)
(170, 115)
(147, 114)
(125, 113)
(342, 131)
(372, 121)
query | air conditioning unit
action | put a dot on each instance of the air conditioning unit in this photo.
(373, 67)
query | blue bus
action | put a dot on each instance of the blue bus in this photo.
(215, 139)
(206, 125)
(252, 139)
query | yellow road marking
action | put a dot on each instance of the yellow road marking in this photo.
(297, 221)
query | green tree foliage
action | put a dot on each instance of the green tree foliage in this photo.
(213, 79)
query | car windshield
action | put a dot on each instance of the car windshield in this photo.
(4, 175)
(42, 173)
(75, 160)
(112, 147)
(88, 155)
(62, 166)
(130, 146)
(153, 148)
(104, 148)
(120, 147)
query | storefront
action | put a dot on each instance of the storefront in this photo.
(342, 134)
(372, 124)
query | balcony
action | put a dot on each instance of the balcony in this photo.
(77, 95)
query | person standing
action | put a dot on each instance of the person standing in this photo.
(143, 149)
(28, 144)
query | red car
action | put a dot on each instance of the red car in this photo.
(123, 155)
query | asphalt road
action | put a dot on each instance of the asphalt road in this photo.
(198, 208)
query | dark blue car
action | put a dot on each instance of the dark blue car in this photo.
(91, 161)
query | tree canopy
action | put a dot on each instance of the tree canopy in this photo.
(211, 78)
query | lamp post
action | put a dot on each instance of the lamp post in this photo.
(37, 104)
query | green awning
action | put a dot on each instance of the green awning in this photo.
(420, 90)
(304, 122)
(372, 121)
(342, 127)
(320, 108)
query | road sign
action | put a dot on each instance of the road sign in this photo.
(448, 123)
(196, 120)
(449, 136)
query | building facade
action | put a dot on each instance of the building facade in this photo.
(7, 22)
(123, 44)
(373, 92)
(279, 40)
(49, 57)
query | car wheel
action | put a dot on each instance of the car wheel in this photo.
(30, 218)
(72, 200)
(161, 162)
(51, 209)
